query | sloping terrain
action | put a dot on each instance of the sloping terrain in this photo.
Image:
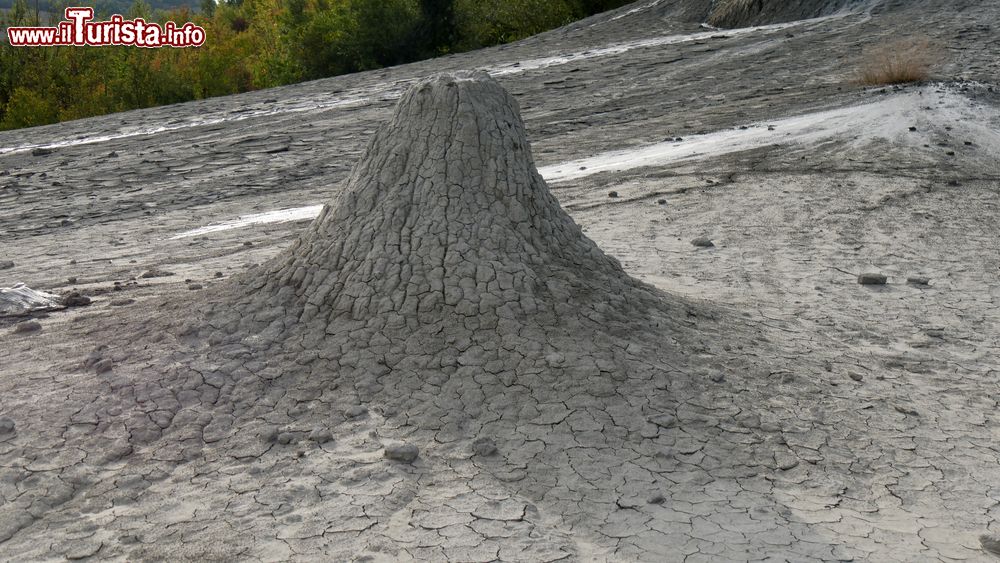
(755, 403)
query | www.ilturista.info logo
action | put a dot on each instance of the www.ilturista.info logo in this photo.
(79, 30)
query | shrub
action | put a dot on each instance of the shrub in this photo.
(898, 62)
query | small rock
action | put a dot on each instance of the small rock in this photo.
(968, 143)
(717, 378)
(906, 410)
(155, 273)
(770, 127)
(661, 201)
(27, 326)
(913, 128)
(121, 302)
(935, 332)
(6, 264)
(112, 154)
(320, 435)
(355, 412)
(871, 278)
(40, 151)
(194, 286)
(6, 425)
(75, 299)
(71, 280)
(703, 242)
(285, 438)
(918, 280)
(103, 366)
(953, 183)
(406, 453)
(855, 376)
(218, 274)
(247, 243)
(950, 153)
(612, 194)
(484, 446)
(656, 499)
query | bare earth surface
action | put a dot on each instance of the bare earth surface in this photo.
(752, 402)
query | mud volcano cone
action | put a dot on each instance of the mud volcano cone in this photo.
(444, 273)
(445, 219)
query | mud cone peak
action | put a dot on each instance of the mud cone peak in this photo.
(444, 211)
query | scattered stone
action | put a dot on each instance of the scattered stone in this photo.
(871, 278)
(71, 280)
(918, 280)
(906, 410)
(104, 366)
(968, 143)
(656, 499)
(320, 435)
(717, 378)
(612, 194)
(950, 153)
(218, 274)
(484, 446)
(247, 243)
(953, 183)
(27, 326)
(355, 412)
(285, 438)
(194, 286)
(935, 332)
(41, 151)
(661, 201)
(155, 273)
(913, 128)
(121, 302)
(855, 376)
(406, 453)
(75, 299)
(770, 127)
(112, 154)
(703, 242)
(6, 264)
(679, 139)
(6, 425)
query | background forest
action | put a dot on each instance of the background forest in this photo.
(251, 44)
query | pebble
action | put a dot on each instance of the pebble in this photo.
(355, 411)
(913, 128)
(871, 278)
(656, 499)
(6, 264)
(195, 286)
(406, 453)
(104, 366)
(71, 280)
(27, 326)
(121, 302)
(285, 438)
(717, 377)
(612, 194)
(40, 151)
(6, 425)
(155, 273)
(855, 376)
(703, 242)
(484, 446)
(320, 435)
(661, 201)
(918, 280)
(75, 299)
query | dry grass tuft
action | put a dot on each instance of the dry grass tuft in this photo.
(898, 62)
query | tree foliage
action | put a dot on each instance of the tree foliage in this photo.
(253, 44)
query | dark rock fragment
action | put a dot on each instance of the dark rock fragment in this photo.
(406, 453)
(872, 278)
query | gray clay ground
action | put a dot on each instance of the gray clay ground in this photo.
(752, 402)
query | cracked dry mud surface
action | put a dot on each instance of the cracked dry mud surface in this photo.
(746, 401)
